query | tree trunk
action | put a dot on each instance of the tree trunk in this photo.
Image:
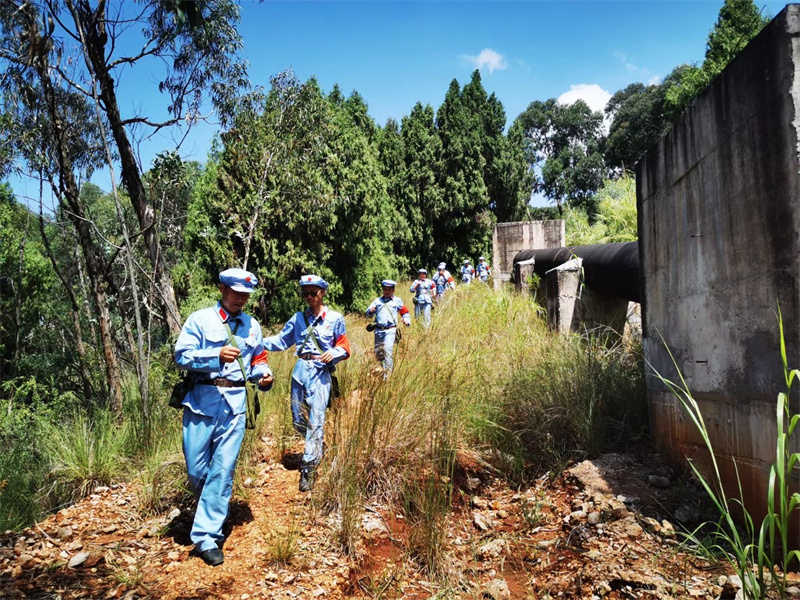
(92, 23)
(69, 193)
(76, 318)
(18, 308)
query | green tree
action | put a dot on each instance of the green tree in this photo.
(637, 123)
(392, 158)
(420, 199)
(464, 227)
(739, 21)
(564, 150)
(263, 201)
(616, 215)
(362, 225)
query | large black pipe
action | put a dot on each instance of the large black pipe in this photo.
(611, 269)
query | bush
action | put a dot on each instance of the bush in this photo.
(83, 454)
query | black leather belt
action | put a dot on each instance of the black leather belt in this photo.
(308, 356)
(221, 382)
(385, 328)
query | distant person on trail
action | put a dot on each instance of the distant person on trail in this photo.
(218, 345)
(387, 310)
(320, 341)
(443, 281)
(467, 272)
(423, 289)
(482, 269)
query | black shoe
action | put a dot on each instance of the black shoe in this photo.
(306, 482)
(212, 557)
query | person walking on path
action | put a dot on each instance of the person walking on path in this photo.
(210, 346)
(467, 272)
(320, 341)
(387, 309)
(423, 289)
(443, 281)
(483, 270)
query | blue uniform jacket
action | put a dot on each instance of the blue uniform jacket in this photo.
(197, 350)
(389, 311)
(330, 331)
(423, 288)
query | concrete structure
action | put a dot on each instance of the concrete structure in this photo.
(587, 288)
(509, 238)
(719, 241)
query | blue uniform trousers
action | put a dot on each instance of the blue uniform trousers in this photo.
(211, 446)
(384, 348)
(311, 389)
(425, 311)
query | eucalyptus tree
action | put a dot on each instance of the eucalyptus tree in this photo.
(190, 50)
(564, 149)
(52, 130)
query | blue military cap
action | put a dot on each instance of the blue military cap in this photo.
(315, 280)
(239, 280)
(423, 271)
(388, 283)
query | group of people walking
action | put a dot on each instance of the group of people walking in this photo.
(223, 348)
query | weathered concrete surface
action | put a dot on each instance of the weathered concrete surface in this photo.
(719, 241)
(509, 238)
(523, 273)
(575, 307)
(564, 296)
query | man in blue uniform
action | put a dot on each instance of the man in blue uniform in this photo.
(467, 272)
(443, 281)
(214, 409)
(320, 341)
(482, 269)
(387, 310)
(423, 289)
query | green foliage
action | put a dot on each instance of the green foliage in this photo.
(637, 123)
(22, 467)
(83, 453)
(615, 221)
(563, 144)
(760, 554)
(739, 22)
(464, 224)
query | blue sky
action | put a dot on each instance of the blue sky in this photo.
(398, 53)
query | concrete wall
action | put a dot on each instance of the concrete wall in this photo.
(510, 238)
(719, 242)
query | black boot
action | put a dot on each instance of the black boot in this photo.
(306, 477)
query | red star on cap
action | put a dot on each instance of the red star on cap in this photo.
(247, 279)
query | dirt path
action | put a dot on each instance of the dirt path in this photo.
(586, 535)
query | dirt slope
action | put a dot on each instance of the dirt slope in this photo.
(596, 531)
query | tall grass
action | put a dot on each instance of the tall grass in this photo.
(760, 554)
(83, 454)
(487, 374)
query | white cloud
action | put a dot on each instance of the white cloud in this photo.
(591, 93)
(654, 80)
(487, 59)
